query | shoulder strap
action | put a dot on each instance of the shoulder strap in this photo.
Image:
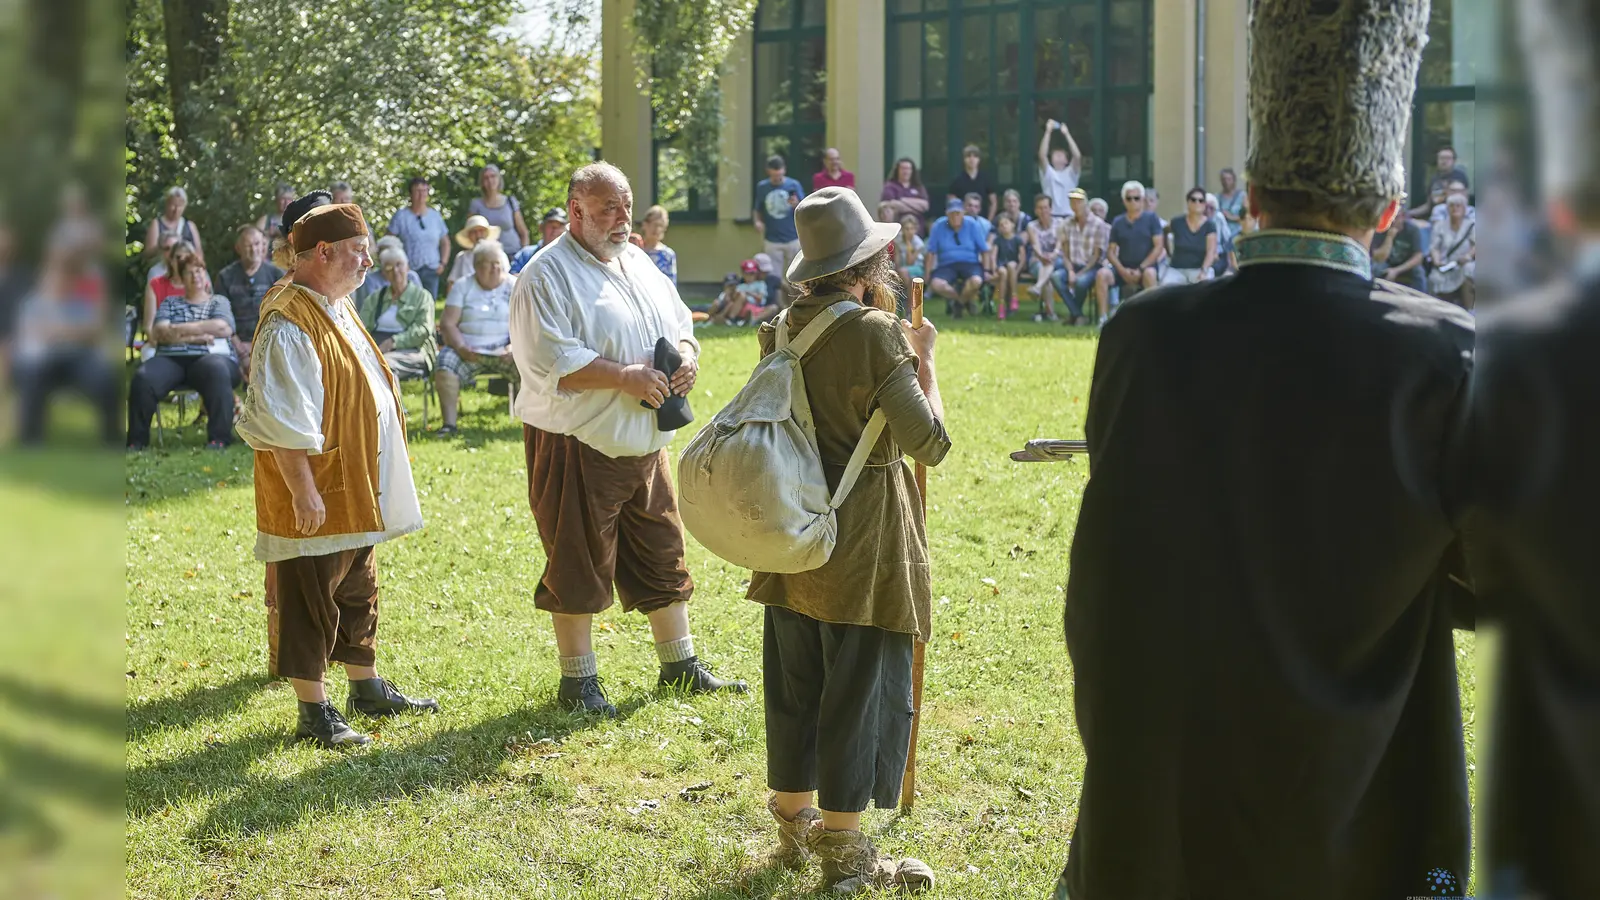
(1464, 235)
(802, 343)
(858, 457)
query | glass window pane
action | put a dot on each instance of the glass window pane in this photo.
(1126, 145)
(813, 75)
(1007, 50)
(908, 135)
(775, 14)
(1444, 124)
(975, 54)
(1006, 162)
(907, 37)
(936, 35)
(1049, 50)
(772, 145)
(774, 69)
(807, 158)
(935, 160)
(1126, 41)
(905, 6)
(935, 5)
(814, 13)
(1452, 36)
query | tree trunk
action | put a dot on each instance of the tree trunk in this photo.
(195, 29)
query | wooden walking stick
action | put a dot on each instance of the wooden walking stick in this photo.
(908, 787)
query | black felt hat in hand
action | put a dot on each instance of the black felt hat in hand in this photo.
(674, 412)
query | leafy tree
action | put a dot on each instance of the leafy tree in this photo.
(680, 46)
(308, 93)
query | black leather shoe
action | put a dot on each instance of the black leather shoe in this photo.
(321, 723)
(695, 677)
(585, 695)
(376, 697)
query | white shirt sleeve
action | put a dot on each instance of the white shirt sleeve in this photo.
(283, 405)
(685, 319)
(543, 339)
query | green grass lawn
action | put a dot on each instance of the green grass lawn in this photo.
(505, 795)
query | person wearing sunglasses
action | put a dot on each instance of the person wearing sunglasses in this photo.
(1136, 247)
(423, 231)
(1193, 237)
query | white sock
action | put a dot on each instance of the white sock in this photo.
(676, 651)
(579, 666)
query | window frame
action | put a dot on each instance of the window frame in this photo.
(1028, 94)
(796, 34)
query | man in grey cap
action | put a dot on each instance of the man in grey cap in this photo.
(1535, 438)
(1259, 608)
(555, 222)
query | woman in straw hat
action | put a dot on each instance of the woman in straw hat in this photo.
(471, 234)
(838, 639)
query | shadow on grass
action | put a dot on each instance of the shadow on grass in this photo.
(444, 761)
(193, 705)
(764, 880)
(80, 470)
(54, 757)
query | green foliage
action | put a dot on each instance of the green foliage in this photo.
(310, 93)
(680, 48)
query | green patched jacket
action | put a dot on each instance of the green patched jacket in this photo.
(415, 312)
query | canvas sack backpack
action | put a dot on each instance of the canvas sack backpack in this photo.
(751, 487)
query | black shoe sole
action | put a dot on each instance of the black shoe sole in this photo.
(351, 712)
(732, 687)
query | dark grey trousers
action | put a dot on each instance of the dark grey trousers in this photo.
(838, 704)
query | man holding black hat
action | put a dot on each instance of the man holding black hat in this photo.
(1535, 441)
(331, 472)
(1259, 608)
(555, 222)
(587, 316)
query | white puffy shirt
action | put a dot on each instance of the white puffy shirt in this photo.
(567, 310)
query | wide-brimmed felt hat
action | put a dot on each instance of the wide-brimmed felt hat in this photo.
(476, 222)
(836, 232)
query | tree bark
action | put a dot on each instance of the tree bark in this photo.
(195, 29)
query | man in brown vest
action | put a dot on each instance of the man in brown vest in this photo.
(331, 471)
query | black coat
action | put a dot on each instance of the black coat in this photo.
(1258, 607)
(1535, 555)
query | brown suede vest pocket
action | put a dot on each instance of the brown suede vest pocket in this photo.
(327, 471)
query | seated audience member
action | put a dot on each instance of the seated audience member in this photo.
(375, 281)
(271, 223)
(164, 249)
(471, 234)
(244, 282)
(1224, 236)
(908, 248)
(1044, 257)
(758, 302)
(59, 343)
(903, 194)
(1441, 210)
(1194, 242)
(728, 308)
(164, 285)
(956, 249)
(653, 242)
(552, 226)
(1087, 236)
(1152, 204)
(476, 327)
(1454, 255)
(1398, 254)
(191, 333)
(774, 282)
(1136, 246)
(1099, 207)
(1011, 202)
(1009, 251)
(399, 316)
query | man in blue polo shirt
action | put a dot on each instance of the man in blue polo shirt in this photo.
(955, 246)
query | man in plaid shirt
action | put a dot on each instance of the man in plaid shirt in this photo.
(1087, 237)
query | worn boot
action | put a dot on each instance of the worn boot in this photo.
(850, 863)
(377, 698)
(695, 677)
(321, 723)
(793, 834)
(585, 695)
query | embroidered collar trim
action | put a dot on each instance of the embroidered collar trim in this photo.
(1306, 248)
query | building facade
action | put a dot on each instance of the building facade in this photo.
(1153, 90)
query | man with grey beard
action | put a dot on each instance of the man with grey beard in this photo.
(586, 315)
